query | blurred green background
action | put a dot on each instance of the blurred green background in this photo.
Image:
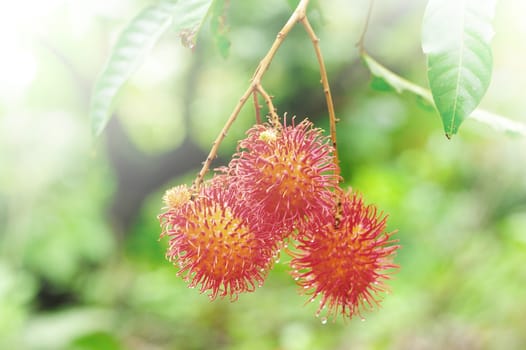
(81, 266)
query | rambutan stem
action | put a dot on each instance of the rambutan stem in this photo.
(297, 16)
(257, 107)
(326, 89)
(361, 42)
(274, 119)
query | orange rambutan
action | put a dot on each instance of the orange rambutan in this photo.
(286, 174)
(344, 260)
(176, 197)
(214, 242)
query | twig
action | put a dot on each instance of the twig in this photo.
(274, 119)
(297, 16)
(257, 107)
(326, 89)
(361, 42)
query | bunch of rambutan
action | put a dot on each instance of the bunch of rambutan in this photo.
(282, 185)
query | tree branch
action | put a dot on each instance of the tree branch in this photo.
(326, 89)
(255, 85)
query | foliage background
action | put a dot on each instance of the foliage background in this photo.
(81, 266)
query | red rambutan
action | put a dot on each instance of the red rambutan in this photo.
(345, 259)
(214, 243)
(286, 174)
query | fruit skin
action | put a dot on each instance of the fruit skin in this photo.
(281, 186)
(215, 244)
(177, 196)
(286, 174)
(345, 260)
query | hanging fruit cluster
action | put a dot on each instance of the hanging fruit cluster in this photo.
(280, 191)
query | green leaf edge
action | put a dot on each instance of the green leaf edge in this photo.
(452, 109)
(139, 36)
(400, 85)
(109, 83)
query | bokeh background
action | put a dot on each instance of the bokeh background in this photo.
(81, 266)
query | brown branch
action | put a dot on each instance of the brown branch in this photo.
(297, 16)
(257, 107)
(326, 89)
(361, 42)
(274, 119)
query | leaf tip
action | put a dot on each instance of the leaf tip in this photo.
(451, 131)
(99, 120)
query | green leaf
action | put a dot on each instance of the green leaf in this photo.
(424, 97)
(132, 46)
(379, 84)
(499, 123)
(456, 37)
(397, 83)
(135, 43)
